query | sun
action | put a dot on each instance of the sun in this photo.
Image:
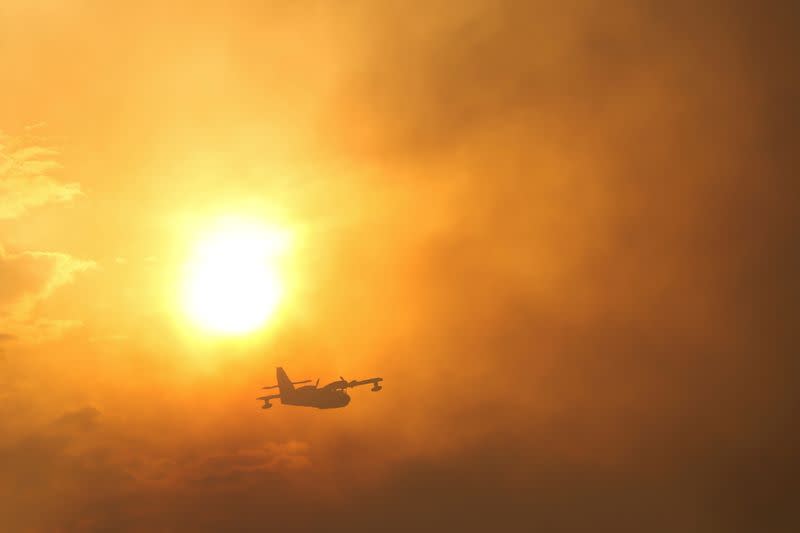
(232, 283)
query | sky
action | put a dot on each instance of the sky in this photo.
(564, 235)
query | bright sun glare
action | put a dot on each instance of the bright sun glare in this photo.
(232, 283)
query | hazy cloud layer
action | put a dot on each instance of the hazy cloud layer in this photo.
(564, 235)
(94, 471)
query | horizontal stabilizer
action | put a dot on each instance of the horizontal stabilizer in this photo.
(293, 383)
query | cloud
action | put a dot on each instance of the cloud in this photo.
(31, 276)
(40, 329)
(27, 166)
(28, 278)
(99, 478)
(26, 177)
(72, 443)
(238, 469)
(82, 420)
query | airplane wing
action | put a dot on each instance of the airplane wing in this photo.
(373, 381)
(344, 384)
(270, 397)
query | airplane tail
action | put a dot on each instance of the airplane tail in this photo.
(284, 383)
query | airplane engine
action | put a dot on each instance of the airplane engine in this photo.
(266, 405)
(376, 388)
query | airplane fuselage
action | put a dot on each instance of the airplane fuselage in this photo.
(310, 396)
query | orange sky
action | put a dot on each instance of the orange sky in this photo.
(563, 236)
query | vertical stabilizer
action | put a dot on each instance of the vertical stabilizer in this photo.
(284, 383)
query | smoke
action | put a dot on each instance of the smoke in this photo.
(563, 235)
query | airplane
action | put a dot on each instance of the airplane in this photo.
(330, 396)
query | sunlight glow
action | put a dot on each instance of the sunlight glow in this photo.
(232, 283)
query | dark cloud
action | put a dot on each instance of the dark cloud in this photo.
(617, 291)
(102, 479)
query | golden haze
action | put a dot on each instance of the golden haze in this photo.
(563, 234)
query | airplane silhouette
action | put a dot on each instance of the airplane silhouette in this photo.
(330, 396)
